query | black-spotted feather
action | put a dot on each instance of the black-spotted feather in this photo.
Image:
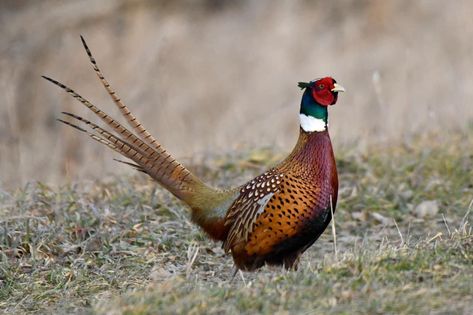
(249, 205)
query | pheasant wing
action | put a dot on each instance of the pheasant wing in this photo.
(250, 204)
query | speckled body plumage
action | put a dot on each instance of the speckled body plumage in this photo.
(301, 191)
(273, 218)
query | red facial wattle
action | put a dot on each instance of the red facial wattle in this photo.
(322, 91)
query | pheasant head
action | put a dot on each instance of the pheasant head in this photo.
(318, 95)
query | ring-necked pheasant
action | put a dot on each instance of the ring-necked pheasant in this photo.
(273, 218)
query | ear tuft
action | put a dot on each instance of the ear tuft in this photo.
(303, 85)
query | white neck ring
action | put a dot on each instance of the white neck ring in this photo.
(310, 123)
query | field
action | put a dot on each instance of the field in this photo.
(404, 243)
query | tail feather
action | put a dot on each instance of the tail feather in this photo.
(108, 139)
(158, 154)
(156, 162)
(208, 204)
(105, 133)
(135, 166)
(204, 201)
(115, 125)
(131, 119)
(92, 135)
(168, 172)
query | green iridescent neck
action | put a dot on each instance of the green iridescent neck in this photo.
(310, 107)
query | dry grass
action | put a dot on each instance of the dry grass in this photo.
(123, 245)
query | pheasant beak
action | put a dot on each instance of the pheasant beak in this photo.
(337, 88)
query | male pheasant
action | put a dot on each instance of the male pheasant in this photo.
(273, 218)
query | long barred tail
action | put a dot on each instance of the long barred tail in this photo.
(150, 157)
(130, 118)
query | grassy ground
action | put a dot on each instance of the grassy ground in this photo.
(404, 243)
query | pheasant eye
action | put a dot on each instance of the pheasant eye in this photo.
(321, 86)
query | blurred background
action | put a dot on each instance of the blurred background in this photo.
(209, 76)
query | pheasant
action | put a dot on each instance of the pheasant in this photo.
(273, 218)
